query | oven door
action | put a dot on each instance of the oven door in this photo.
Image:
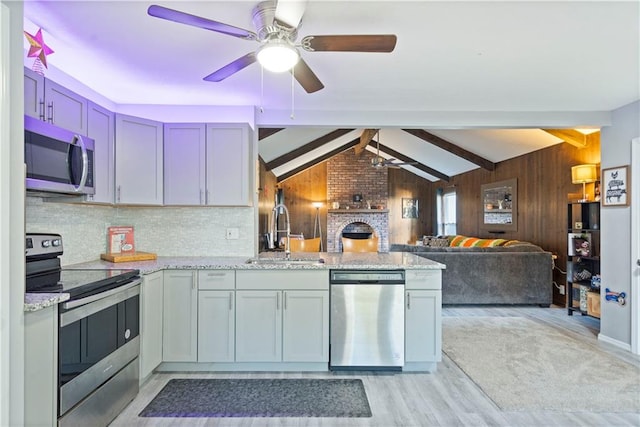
(98, 336)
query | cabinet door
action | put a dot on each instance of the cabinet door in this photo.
(138, 161)
(258, 326)
(228, 165)
(184, 164)
(65, 108)
(101, 128)
(41, 367)
(179, 323)
(305, 326)
(151, 300)
(33, 94)
(423, 326)
(216, 326)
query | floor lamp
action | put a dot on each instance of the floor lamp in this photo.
(316, 223)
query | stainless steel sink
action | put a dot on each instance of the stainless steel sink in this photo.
(281, 261)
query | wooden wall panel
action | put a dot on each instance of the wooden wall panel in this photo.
(403, 184)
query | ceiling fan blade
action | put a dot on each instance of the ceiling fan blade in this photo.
(306, 77)
(232, 68)
(350, 43)
(198, 21)
(290, 12)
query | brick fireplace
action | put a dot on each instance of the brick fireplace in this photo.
(340, 219)
(349, 174)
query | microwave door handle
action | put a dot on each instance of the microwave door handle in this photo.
(85, 162)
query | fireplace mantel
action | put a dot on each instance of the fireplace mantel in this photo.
(352, 211)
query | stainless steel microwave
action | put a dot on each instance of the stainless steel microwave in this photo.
(57, 159)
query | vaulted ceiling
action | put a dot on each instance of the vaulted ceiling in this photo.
(469, 84)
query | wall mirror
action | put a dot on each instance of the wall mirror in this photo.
(500, 206)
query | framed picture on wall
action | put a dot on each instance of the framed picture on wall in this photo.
(615, 186)
(409, 208)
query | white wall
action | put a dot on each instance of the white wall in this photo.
(11, 215)
(615, 143)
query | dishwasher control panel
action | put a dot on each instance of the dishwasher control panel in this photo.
(367, 276)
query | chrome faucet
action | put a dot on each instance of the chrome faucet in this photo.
(275, 231)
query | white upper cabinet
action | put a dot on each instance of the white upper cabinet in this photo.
(139, 155)
(228, 165)
(101, 128)
(48, 101)
(207, 164)
(184, 164)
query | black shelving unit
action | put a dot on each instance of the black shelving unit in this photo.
(583, 258)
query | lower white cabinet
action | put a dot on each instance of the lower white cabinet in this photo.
(151, 301)
(423, 330)
(41, 367)
(282, 316)
(423, 319)
(282, 326)
(180, 319)
(216, 326)
(305, 326)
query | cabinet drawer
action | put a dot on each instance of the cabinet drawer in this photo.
(423, 279)
(282, 279)
(216, 279)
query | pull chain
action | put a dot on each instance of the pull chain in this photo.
(261, 88)
(292, 99)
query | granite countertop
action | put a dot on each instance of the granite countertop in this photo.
(35, 302)
(267, 261)
(338, 260)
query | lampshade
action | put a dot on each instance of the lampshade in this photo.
(278, 56)
(581, 174)
(317, 204)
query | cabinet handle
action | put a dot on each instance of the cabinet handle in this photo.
(216, 274)
(50, 108)
(118, 195)
(285, 301)
(41, 114)
(278, 301)
(193, 280)
(230, 301)
(206, 199)
(408, 300)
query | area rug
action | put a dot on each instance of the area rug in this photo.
(523, 365)
(260, 398)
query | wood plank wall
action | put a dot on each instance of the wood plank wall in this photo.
(544, 187)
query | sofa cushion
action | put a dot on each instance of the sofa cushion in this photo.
(475, 242)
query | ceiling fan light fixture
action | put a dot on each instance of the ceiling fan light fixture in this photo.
(278, 56)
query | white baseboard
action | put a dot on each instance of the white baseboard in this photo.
(619, 344)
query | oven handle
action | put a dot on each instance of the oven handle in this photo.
(92, 304)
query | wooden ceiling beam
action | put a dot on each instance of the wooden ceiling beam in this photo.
(397, 155)
(365, 139)
(452, 148)
(316, 143)
(574, 137)
(267, 132)
(320, 159)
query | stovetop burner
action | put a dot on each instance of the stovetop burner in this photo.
(45, 275)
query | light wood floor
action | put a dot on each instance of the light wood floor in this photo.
(444, 398)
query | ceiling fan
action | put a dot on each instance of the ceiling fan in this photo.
(381, 162)
(276, 24)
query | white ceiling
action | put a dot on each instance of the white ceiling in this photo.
(458, 67)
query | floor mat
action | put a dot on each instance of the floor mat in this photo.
(260, 398)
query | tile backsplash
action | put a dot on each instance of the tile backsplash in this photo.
(167, 231)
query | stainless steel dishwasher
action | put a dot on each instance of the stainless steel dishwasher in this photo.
(367, 319)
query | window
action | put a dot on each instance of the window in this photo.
(446, 211)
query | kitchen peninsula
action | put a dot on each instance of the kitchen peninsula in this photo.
(267, 313)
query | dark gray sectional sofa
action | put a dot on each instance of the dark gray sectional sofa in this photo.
(519, 274)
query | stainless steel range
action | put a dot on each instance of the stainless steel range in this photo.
(98, 333)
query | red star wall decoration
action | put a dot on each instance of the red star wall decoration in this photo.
(38, 47)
